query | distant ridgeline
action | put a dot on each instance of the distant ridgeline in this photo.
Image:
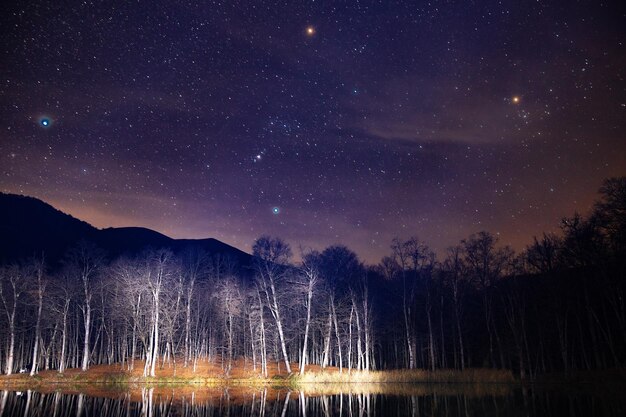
(30, 227)
(100, 297)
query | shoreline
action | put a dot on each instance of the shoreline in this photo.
(315, 379)
(209, 376)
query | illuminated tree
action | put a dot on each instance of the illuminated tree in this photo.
(13, 284)
(272, 258)
(84, 262)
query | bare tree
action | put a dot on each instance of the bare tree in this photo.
(421, 260)
(156, 275)
(262, 330)
(610, 214)
(401, 257)
(485, 265)
(367, 331)
(453, 276)
(12, 285)
(172, 305)
(85, 261)
(272, 256)
(514, 311)
(310, 272)
(132, 303)
(543, 255)
(339, 267)
(228, 293)
(194, 265)
(37, 268)
(61, 307)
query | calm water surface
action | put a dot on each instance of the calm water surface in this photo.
(405, 400)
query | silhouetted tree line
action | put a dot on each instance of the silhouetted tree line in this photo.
(557, 306)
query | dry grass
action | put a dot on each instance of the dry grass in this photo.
(206, 374)
(471, 382)
(473, 390)
(407, 376)
(210, 375)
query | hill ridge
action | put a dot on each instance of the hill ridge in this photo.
(29, 226)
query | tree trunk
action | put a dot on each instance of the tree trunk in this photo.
(64, 337)
(230, 341)
(407, 327)
(40, 289)
(155, 340)
(431, 339)
(252, 343)
(487, 309)
(309, 300)
(188, 321)
(337, 335)
(350, 338)
(460, 335)
(366, 329)
(11, 352)
(359, 341)
(327, 339)
(263, 343)
(443, 340)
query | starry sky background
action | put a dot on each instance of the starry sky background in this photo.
(232, 119)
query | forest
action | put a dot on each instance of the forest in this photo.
(558, 306)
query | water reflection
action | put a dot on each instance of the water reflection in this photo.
(407, 400)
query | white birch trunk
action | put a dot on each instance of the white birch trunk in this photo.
(303, 356)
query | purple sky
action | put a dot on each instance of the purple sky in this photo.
(390, 119)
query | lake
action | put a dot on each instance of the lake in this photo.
(449, 400)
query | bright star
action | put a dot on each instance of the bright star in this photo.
(310, 30)
(45, 122)
(276, 210)
(515, 99)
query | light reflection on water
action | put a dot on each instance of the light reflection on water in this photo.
(413, 401)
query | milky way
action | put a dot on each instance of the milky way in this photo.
(320, 122)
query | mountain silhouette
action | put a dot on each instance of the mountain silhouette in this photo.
(30, 227)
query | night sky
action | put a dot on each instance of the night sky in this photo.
(319, 122)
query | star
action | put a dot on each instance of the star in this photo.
(341, 124)
(258, 157)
